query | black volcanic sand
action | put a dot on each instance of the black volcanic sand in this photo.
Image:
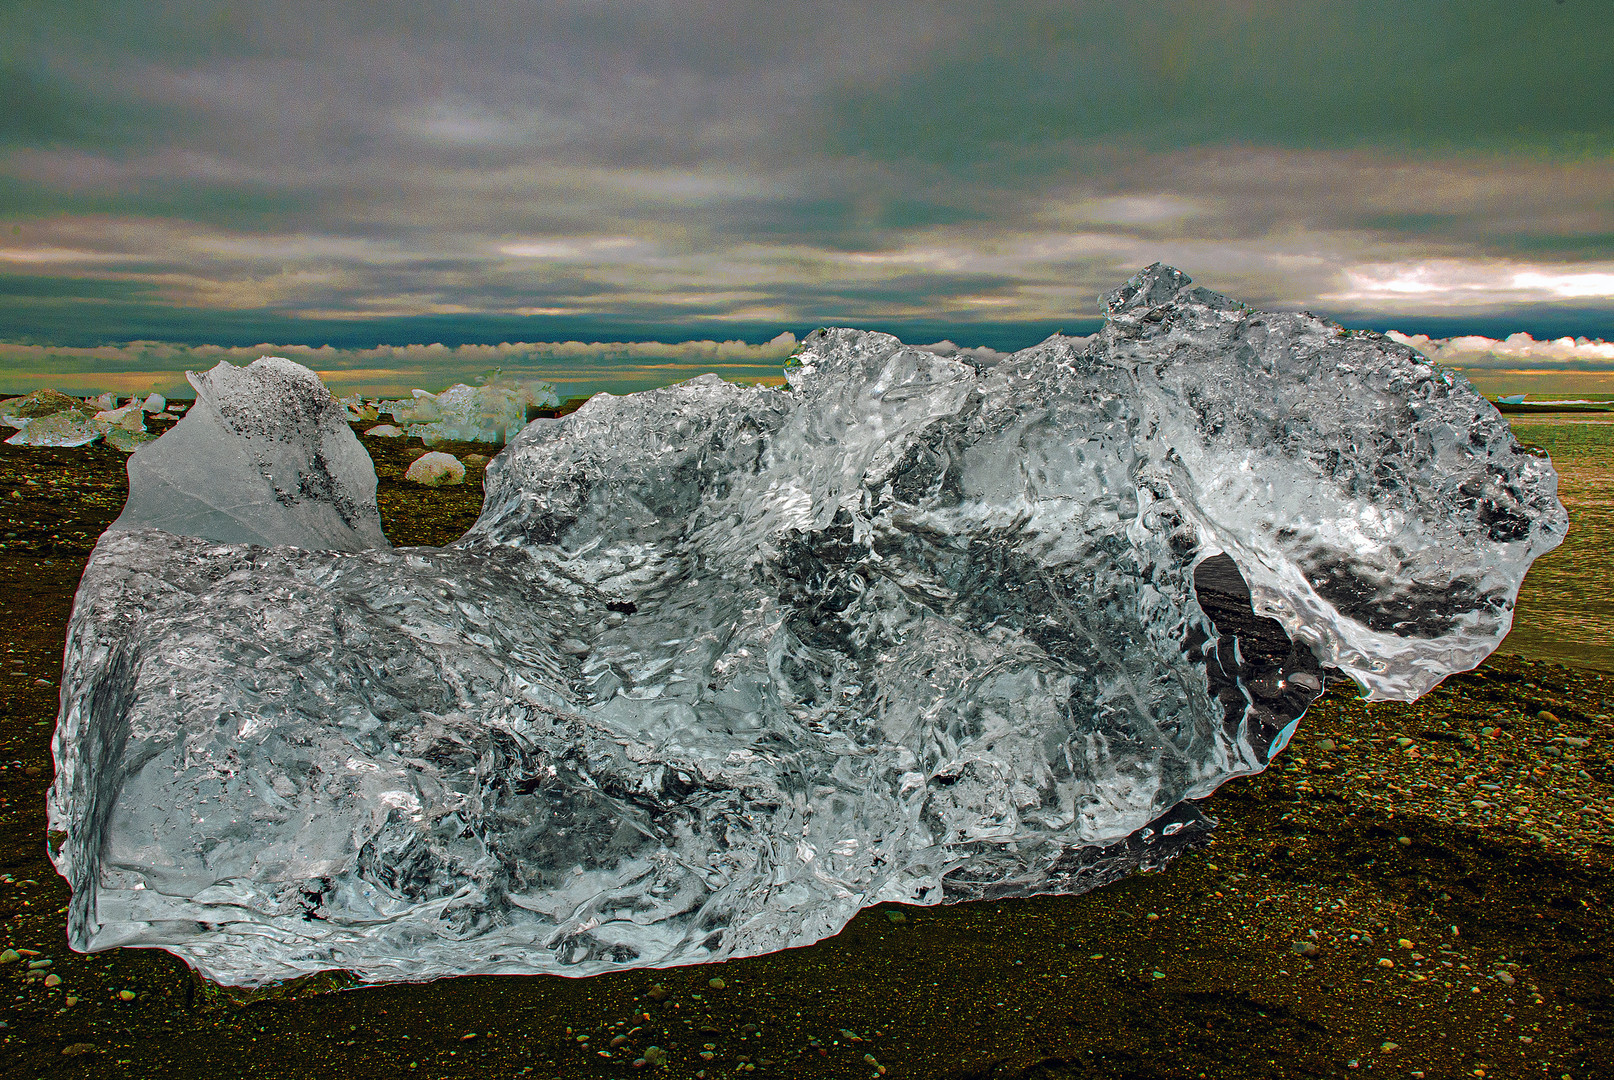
(1434, 909)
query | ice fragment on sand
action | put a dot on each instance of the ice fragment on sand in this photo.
(436, 470)
(128, 441)
(385, 431)
(264, 457)
(69, 428)
(719, 666)
(130, 417)
(492, 413)
(35, 405)
(155, 403)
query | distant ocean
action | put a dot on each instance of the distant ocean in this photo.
(1566, 608)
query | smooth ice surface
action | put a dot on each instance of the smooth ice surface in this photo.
(718, 666)
(265, 456)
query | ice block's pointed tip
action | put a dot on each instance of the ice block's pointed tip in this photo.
(1150, 287)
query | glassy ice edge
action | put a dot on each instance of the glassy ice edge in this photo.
(719, 666)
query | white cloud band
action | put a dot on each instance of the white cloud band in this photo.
(1516, 351)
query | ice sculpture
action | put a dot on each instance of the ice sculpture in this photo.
(265, 456)
(718, 666)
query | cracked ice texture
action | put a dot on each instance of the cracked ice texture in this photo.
(718, 666)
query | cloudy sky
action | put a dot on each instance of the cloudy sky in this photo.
(339, 174)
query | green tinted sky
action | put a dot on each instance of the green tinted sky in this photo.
(276, 170)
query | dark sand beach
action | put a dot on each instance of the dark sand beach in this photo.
(1419, 890)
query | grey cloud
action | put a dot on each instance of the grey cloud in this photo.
(341, 159)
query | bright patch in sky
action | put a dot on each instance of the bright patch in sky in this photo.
(1467, 283)
(1567, 285)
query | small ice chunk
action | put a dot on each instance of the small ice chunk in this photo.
(156, 403)
(67, 428)
(264, 457)
(17, 411)
(130, 418)
(436, 470)
(493, 413)
(128, 441)
(355, 409)
(385, 431)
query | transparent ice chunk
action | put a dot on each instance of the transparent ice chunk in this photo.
(129, 418)
(719, 666)
(16, 412)
(67, 428)
(492, 413)
(265, 456)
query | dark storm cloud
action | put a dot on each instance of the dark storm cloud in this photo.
(783, 165)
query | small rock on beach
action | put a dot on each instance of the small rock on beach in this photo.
(436, 469)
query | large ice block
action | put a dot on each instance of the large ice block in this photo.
(718, 666)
